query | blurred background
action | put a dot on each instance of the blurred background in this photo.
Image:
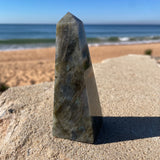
(113, 28)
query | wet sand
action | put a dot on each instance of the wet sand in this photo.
(33, 66)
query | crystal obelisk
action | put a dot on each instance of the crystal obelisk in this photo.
(77, 111)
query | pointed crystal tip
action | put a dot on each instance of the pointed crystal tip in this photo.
(69, 18)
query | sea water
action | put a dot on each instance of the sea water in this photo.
(21, 36)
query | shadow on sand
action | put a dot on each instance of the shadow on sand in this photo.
(117, 129)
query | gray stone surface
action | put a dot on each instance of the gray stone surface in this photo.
(77, 112)
(129, 96)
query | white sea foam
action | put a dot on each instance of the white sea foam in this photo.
(124, 43)
(124, 39)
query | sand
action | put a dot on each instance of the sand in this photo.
(128, 89)
(33, 66)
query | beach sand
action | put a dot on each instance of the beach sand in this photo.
(33, 66)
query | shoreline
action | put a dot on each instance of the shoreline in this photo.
(33, 66)
(121, 44)
(17, 47)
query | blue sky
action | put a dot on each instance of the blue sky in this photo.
(89, 11)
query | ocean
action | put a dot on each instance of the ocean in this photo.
(22, 36)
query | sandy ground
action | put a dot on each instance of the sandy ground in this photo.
(32, 66)
(128, 89)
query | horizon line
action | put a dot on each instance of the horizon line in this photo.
(83, 23)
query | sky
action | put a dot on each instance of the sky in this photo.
(89, 11)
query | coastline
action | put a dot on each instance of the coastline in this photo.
(22, 44)
(33, 66)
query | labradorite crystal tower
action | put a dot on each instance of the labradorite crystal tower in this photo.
(77, 112)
